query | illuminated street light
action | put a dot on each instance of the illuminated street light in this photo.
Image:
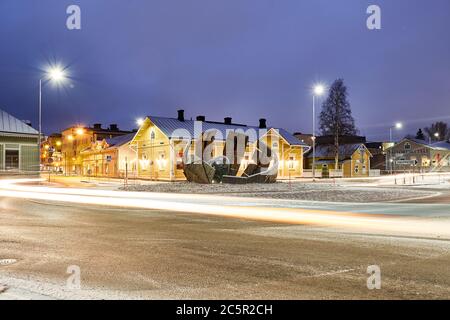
(57, 75)
(140, 122)
(80, 131)
(318, 90)
(397, 126)
(436, 135)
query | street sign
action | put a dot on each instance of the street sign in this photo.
(406, 162)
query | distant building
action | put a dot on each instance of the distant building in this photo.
(354, 159)
(19, 149)
(304, 137)
(414, 154)
(51, 155)
(378, 161)
(160, 145)
(110, 158)
(78, 138)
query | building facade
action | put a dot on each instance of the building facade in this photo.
(19, 145)
(354, 159)
(51, 155)
(418, 155)
(162, 145)
(78, 138)
(111, 158)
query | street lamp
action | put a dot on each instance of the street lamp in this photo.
(140, 122)
(80, 131)
(436, 135)
(397, 126)
(57, 75)
(318, 90)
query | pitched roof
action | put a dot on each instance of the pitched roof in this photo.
(441, 145)
(327, 150)
(169, 126)
(10, 124)
(418, 141)
(120, 140)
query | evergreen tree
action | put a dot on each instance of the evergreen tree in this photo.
(336, 116)
(420, 135)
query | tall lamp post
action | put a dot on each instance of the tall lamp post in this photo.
(55, 74)
(317, 92)
(397, 126)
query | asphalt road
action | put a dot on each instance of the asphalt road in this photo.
(153, 253)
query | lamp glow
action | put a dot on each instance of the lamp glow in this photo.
(399, 125)
(56, 74)
(319, 89)
(140, 122)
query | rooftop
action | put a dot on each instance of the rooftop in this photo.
(172, 128)
(10, 124)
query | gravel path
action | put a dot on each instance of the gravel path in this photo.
(295, 191)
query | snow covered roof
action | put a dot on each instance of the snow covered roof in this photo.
(10, 124)
(169, 125)
(120, 140)
(345, 150)
(441, 145)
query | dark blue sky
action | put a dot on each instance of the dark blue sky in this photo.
(241, 58)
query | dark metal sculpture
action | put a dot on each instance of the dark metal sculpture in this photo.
(262, 167)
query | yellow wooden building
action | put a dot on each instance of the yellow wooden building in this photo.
(354, 159)
(111, 158)
(77, 138)
(161, 144)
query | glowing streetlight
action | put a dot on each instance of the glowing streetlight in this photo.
(398, 126)
(80, 131)
(436, 135)
(57, 75)
(140, 122)
(318, 90)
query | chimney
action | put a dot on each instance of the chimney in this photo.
(113, 127)
(97, 126)
(262, 123)
(201, 118)
(180, 115)
(227, 120)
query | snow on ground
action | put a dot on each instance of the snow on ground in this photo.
(295, 190)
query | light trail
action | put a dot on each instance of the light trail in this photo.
(222, 206)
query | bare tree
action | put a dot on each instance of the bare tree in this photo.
(336, 116)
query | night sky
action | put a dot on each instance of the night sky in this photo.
(241, 58)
